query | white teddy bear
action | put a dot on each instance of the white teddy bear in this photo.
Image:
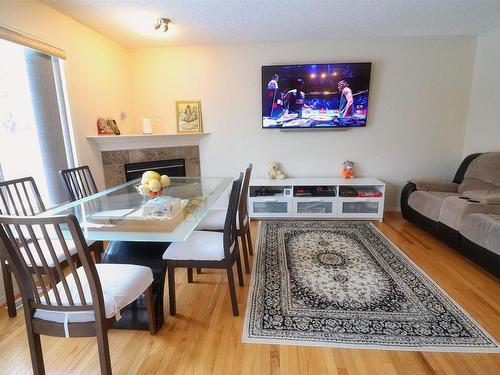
(273, 171)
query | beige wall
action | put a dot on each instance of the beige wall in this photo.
(418, 106)
(96, 70)
(483, 125)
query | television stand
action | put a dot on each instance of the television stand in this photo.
(317, 198)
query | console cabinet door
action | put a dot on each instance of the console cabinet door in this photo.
(315, 207)
(270, 207)
(369, 208)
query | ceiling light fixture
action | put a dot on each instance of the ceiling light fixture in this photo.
(162, 24)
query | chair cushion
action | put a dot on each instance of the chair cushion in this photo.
(121, 284)
(482, 229)
(199, 246)
(428, 203)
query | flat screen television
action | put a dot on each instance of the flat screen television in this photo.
(315, 95)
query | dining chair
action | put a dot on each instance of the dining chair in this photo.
(79, 183)
(82, 303)
(214, 220)
(205, 249)
(21, 197)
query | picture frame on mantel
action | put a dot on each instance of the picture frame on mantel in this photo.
(188, 116)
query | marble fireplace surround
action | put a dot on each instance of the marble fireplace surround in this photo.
(114, 161)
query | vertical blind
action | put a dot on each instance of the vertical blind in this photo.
(49, 108)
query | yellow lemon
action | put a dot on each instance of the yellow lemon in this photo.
(148, 174)
(154, 186)
(164, 180)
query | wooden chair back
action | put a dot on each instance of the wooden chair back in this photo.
(20, 197)
(243, 204)
(230, 228)
(78, 182)
(20, 233)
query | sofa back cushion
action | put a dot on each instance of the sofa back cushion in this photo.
(483, 173)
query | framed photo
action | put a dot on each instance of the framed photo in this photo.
(188, 115)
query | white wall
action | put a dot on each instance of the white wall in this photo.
(96, 70)
(483, 124)
(418, 106)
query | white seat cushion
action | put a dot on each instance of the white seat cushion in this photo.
(199, 246)
(121, 284)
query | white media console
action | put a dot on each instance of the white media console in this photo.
(317, 198)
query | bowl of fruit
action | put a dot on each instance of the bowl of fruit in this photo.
(152, 184)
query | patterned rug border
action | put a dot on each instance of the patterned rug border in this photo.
(315, 343)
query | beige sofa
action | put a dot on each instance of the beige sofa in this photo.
(441, 206)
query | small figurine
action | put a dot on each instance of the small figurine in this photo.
(273, 171)
(347, 171)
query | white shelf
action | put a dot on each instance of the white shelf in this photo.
(137, 141)
(313, 207)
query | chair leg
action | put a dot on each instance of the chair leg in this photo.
(9, 290)
(171, 288)
(198, 271)
(245, 252)
(36, 354)
(232, 289)
(150, 307)
(240, 271)
(103, 348)
(249, 238)
(190, 275)
(98, 249)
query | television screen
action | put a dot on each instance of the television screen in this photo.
(315, 95)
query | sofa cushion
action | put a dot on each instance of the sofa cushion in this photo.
(484, 196)
(434, 184)
(486, 168)
(454, 209)
(428, 203)
(471, 184)
(483, 230)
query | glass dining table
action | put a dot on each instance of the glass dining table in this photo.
(140, 228)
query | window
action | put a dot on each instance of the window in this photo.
(34, 134)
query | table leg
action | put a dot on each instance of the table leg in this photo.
(148, 254)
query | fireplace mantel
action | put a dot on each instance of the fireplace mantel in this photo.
(142, 141)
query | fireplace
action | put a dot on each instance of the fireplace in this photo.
(172, 168)
(125, 165)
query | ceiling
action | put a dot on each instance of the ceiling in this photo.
(130, 22)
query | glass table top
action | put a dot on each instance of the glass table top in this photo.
(121, 213)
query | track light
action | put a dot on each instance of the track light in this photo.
(162, 24)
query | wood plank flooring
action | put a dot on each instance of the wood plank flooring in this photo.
(204, 337)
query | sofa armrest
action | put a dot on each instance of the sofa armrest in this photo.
(484, 196)
(434, 184)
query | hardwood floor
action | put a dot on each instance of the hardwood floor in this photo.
(204, 337)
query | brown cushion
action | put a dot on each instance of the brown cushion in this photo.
(483, 230)
(484, 196)
(428, 203)
(486, 167)
(434, 184)
(470, 184)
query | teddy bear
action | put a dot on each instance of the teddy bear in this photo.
(273, 171)
(347, 171)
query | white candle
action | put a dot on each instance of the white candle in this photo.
(146, 126)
